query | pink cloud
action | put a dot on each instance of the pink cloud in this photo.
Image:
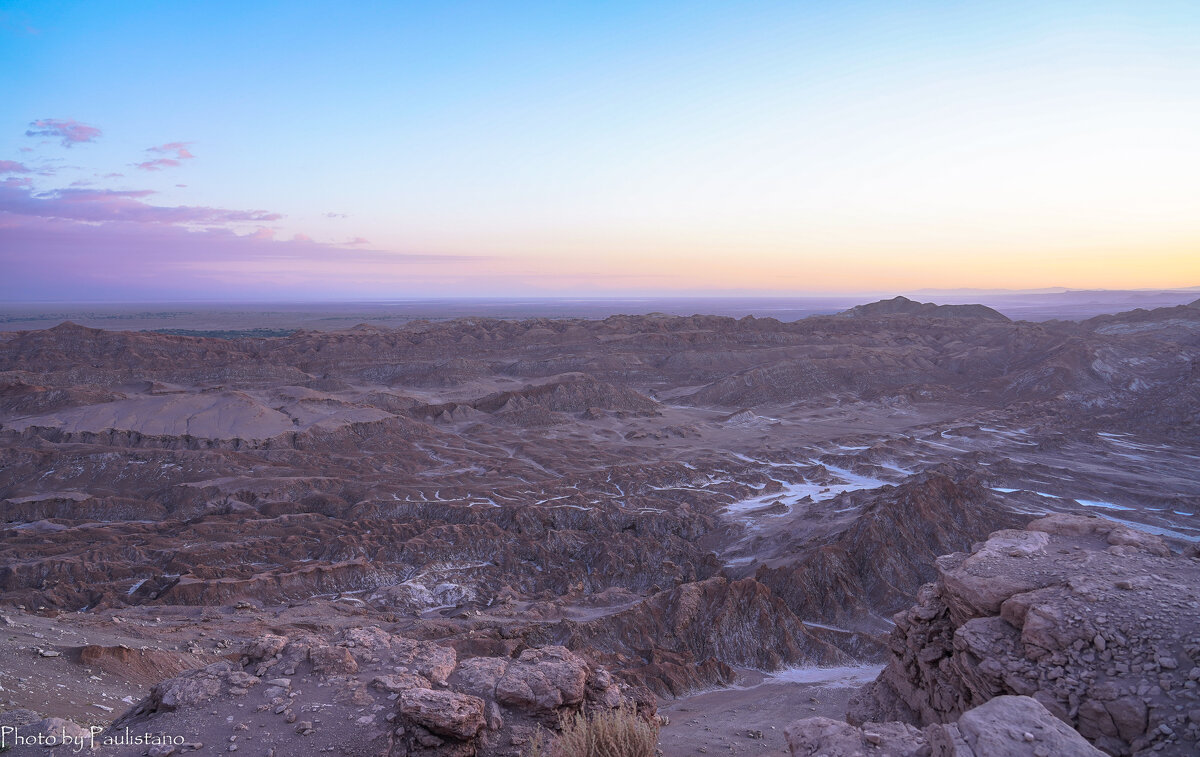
(70, 131)
(358, 241)
(47, 257)
(12, 166)
(90, 243)
(157, 164)
(179, 151)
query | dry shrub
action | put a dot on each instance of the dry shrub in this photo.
(537, 745)
(602, 733)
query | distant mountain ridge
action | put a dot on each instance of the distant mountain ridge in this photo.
(901, 305)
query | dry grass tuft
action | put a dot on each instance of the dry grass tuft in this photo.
(604, 733)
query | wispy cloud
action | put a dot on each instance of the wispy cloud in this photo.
(86, 243)
(178, 149)
(18, 22)
(157, 164)
(176, 153)
(100, 205)
(70, 131)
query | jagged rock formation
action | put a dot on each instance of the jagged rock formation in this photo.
(1095, 621)
(367, 691)
(876, 564)
(689, 637)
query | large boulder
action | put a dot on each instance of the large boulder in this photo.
(1009, 726)
(458, 716)
(825, 737)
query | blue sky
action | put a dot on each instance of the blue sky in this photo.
(395, 149)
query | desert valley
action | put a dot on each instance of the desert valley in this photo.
(611, 379)
(439, 538)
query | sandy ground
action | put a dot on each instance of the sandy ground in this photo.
(751, 718)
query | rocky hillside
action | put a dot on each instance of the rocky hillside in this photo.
(1095, 623)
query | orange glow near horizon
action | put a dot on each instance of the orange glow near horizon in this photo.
(600, 148)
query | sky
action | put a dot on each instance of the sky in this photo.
(211, 150)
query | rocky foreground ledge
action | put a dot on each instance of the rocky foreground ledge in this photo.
(362, 692)
(1075, 636)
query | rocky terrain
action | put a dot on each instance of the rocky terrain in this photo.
(694, 509)
(1083, 622)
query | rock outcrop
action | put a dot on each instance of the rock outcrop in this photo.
(689, 637)
(876, 564)
(1095, 621)
(1007, 726)
(367, 691)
